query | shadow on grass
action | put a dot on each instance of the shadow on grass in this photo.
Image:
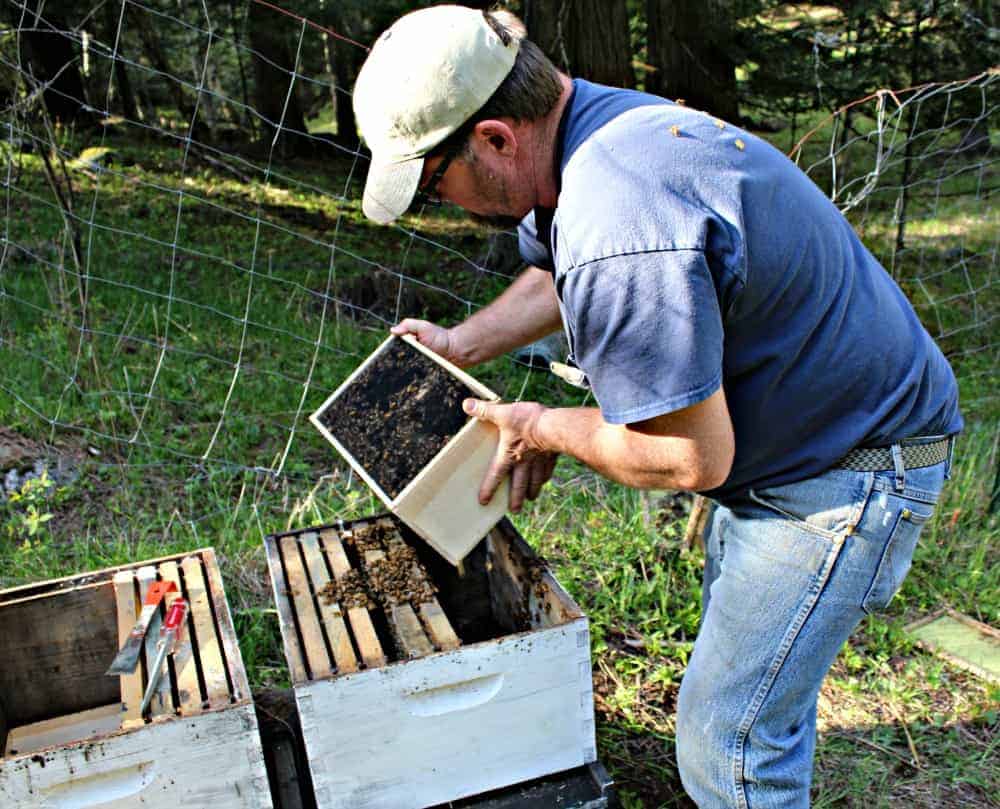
(957, 765)
(644, 766)
(916, 765)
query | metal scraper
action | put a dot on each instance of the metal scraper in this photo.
(127, 658)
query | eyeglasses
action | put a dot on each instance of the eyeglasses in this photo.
(427, 194)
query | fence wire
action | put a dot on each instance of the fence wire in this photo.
(185, 275)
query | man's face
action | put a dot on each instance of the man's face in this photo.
(471, 184)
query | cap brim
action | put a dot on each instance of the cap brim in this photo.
(390, 189)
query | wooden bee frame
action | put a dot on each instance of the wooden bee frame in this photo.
(441, 503)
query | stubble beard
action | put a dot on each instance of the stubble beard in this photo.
(495, 191)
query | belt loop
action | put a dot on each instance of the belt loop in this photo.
(951, 457)
(897, 465)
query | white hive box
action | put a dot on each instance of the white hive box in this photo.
(71, 736)
(441, 502)
(487, 684)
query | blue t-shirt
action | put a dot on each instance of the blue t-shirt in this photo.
(689, 254)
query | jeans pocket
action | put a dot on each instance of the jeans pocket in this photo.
(897, 556)
(828, 505)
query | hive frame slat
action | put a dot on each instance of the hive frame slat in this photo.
(330, 613)
(213, 666)
(314, 645)
(369, 646)
(185, 667)
(131, 684)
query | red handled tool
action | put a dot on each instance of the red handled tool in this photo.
(169, 634)
(128, 657)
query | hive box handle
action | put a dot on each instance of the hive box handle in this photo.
(455, 696)
(101, 788)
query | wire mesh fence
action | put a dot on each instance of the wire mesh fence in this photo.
(185, 271)
(916, 172)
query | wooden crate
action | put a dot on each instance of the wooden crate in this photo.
(73, 736)
(420, 703)
(441, 504)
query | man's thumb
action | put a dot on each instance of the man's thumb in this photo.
(474, 407)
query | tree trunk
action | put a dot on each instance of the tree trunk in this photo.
(112, 13)
(245, 116)
(586, 38)
(273, 64)
(344, 60)
(345, 70)
(691, 48)
(51, 59)
(154, 52)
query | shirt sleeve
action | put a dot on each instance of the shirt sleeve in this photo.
(647, 330)
(532, 249)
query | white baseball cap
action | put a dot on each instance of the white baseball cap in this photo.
(425, 77)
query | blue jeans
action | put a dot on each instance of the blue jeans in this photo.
(789, 573)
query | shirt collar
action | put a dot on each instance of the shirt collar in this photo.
(544, 216)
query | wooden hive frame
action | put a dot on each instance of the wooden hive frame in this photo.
(417, 636)
(333, 637)
(441, 502)
(205, 673)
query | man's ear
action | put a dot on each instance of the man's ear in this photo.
(496, 135)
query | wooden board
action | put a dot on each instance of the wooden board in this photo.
(441, 504)
(210, 761)
(963, 641)
(438, 626)
(60, 670)
(96, 578)
(436, 623)
(403, 620)
(333, 620)
(209, 652)
(305, 610)
(282, 601)
(126, 609)
(450, 725)
(410, 631)
(185, 666)
(365, 636)
(64, 729)
(238, 684)
(537, 604)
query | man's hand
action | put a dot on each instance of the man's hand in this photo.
(437, 338)
(518, 453)
(527, 311)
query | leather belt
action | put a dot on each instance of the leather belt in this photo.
(917, 452)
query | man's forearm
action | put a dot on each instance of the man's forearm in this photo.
(681, 459)
(527, 311)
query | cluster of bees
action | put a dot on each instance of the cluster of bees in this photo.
(396, 577)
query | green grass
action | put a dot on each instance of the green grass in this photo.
(200, 465)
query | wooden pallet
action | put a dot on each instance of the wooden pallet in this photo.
(196, 675)
(336, 638)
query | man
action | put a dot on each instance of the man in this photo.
(739, 339)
